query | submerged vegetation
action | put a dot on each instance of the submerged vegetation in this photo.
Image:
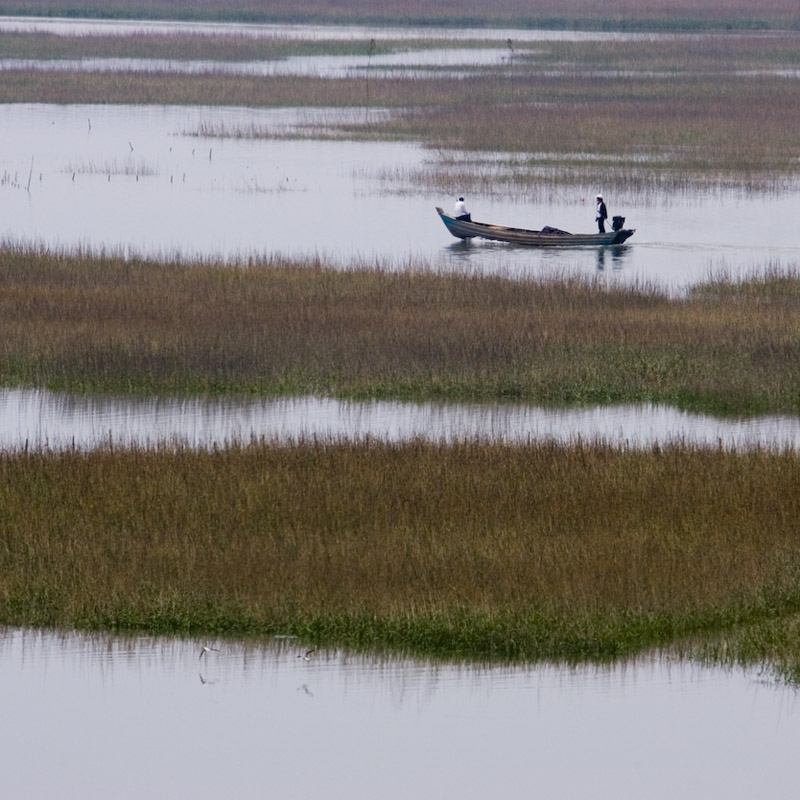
(478, 550)
(111, 324)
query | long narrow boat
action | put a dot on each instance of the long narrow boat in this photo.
(547, 237)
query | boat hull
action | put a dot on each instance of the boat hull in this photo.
(467, 229)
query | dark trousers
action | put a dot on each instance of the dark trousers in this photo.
(465, 217)
(601, 225)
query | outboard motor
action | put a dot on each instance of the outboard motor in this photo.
(617, 223)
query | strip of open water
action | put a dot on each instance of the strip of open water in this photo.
(101, 27)
(38, 419)
(417, 64)
(95, 716)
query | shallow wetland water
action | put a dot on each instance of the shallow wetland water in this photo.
(144, 717)
(148, 180)
(56, 421)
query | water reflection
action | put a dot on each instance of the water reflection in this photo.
(35, 419)
(352, 725)
(418, 64)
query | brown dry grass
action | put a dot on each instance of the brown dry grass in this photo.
(541, 550)
(280, 328)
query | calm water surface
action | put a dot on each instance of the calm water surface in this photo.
(100, 27)
(424, 63)
(147, 180)
(99, 717)
(44, 419)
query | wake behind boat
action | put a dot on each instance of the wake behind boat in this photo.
(547, 237)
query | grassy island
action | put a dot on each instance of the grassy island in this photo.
(468, 550)
(116, 325)
(478, 551)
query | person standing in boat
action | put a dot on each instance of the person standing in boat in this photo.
(461, 210)
(602, 214)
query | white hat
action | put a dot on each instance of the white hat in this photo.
(599, 197)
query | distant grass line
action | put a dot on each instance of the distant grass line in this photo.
(561, 14)
(710, 53)
(693, 123)
(187, 46)
(476, 550)
(704, 106)
(107, 324)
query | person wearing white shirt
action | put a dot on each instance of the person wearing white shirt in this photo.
(461, 210)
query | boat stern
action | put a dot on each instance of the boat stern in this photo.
(623, 235)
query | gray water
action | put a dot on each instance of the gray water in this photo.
(39, 419)
(418, 64)
(99, 717)
(101, 27)
(148, 180)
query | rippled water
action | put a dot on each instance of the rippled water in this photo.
(43, 419)
(100, 717)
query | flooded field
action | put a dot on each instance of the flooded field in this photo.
(155, 719)
(151, 180)
(55, 421)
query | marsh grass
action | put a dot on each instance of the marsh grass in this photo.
(723, 126)
(552, 178)
(109, 324)
(547, 551)
(695, 124)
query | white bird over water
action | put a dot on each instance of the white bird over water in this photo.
(206, 650)
(307, 655)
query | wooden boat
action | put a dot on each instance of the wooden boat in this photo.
(547, 237)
